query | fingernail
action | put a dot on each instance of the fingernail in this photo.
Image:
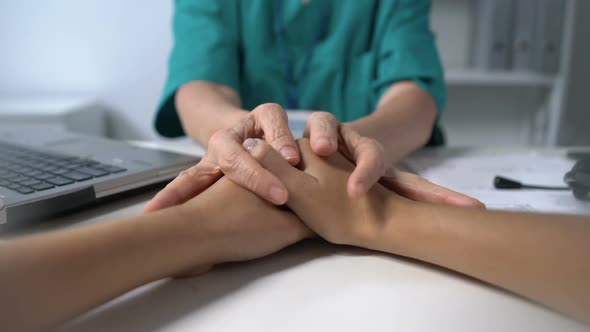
(463, 201)
(249, 144)
(288, 153)
(278, 195)
(325, 142)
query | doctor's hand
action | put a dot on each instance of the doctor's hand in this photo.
(328, 137)
(268, 122)
(225, 155)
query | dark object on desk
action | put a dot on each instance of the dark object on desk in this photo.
(578, 154)
(579, 179)
(46, 172)
(501, 182)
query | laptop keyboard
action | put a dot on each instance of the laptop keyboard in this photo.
(27, 171)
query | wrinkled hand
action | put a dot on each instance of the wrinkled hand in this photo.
(367, 153)
(327, 136)
(318, 193)
(270, 123)
(225, 155)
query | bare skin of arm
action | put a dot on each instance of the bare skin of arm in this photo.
(402, 122)
(545, 258)
(212, 114)
(196, 102)
(48, 278)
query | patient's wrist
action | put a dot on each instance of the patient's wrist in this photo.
(185, 237)
(398, 232)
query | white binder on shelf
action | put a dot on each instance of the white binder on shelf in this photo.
(549, 35)
(493, 39)
(523, 44)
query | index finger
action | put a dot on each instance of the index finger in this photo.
(322, 130)
(243, 169)
(370, 167)
(272, 120)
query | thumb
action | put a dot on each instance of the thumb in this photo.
(271, 160)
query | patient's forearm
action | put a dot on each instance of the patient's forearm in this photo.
(543, 257)
(49, 278)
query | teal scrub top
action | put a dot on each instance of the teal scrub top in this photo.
(365, 47)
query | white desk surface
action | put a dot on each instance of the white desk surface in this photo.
(313, 286)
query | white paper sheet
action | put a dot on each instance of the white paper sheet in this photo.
(472, 172)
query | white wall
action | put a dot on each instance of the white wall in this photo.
(452, 20)
(113, 50)
(117, 51)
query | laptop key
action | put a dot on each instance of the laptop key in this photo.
(24, 170)
(113, 169)
(43, 176)
(29, 182)
(92, 171)
(61, 163)
(25, 190)
(9, 175)
(60, 171)
(77, 176)
(42, 186)
(75, 164)
(20, 179)
(32, 173)
(59, 181)
(13, 186)
(49, 168)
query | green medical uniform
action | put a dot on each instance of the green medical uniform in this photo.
(341, 62)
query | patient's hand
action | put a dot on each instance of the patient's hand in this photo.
(238, 225)
(319, 197)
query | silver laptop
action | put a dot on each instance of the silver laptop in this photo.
(47, 172)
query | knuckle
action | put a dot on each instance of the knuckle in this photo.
(279, 137)
(327, 116)
(243, 127)
(229, 161)
(253, 180)
(374, 153)
(218, 138)
(191, 172)
(324, 119)
(269, 109)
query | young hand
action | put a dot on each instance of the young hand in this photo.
(236, 225)
(318, 195)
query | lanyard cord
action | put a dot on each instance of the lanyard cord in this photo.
(281, 31)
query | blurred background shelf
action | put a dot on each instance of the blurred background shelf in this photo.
(77, 53)
(497, 78)
(514, 107)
